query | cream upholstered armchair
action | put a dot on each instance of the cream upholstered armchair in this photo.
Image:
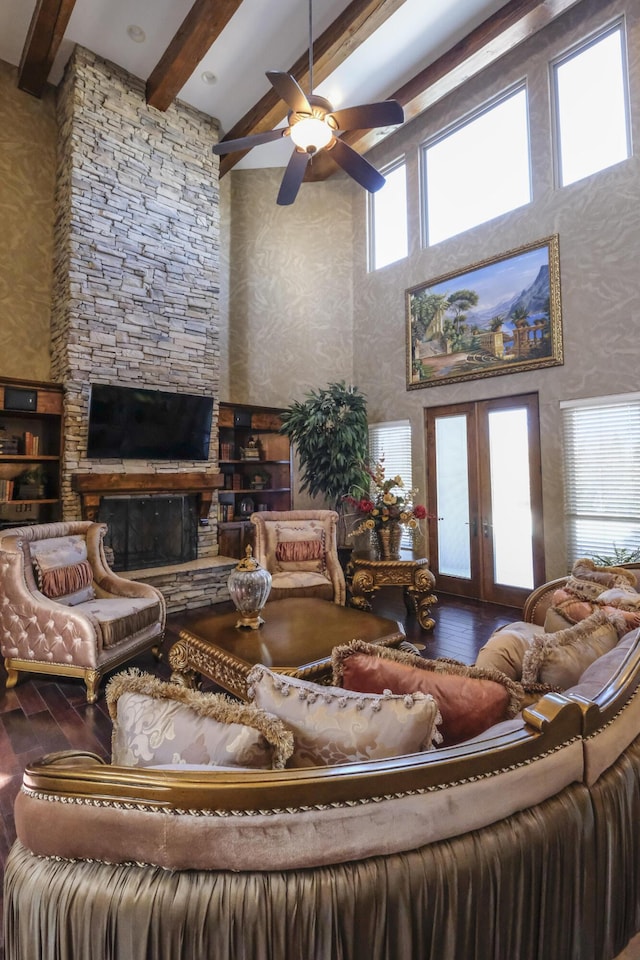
(298, 548)
(64, 611)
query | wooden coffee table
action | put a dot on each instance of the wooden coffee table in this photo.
(296, 638)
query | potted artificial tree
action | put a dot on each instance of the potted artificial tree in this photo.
(330, 434)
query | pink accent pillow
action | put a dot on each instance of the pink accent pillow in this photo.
(470, 699)
(292, 551)
(62, 583)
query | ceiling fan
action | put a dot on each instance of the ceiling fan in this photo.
(314, 125)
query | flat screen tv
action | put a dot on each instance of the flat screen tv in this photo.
(135, 424)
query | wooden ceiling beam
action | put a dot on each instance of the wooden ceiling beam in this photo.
(200, 28)
(498, 35)
(354, 25)
(46, 30)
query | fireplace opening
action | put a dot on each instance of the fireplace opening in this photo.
(150, 531)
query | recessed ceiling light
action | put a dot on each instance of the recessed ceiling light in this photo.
(136, 33)
(208, 77)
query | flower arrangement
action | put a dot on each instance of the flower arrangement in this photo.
(386, 503)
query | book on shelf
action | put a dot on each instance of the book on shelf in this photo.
(31, 444)
(8, 446)
(6, 490)
(225, 512)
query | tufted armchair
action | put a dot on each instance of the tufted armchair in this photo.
(64, 611)
(298, 548)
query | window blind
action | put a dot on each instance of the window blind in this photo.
(602, 475)
(392, 441)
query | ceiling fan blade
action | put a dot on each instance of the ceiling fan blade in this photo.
(356, 166)
(289, 90)
(369, 115)
(245, 143)
(293, 177)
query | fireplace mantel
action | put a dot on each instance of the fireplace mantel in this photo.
(92, 487)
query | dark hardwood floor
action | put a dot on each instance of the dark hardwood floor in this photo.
(44, 714)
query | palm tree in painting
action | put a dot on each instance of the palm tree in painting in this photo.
(520, 317)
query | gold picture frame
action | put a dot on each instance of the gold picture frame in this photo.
(501, 315)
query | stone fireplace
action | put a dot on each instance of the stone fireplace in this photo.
(150, 531)
(136, 281)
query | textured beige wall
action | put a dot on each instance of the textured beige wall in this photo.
(598, 223)
(290, 295)
(27, 186)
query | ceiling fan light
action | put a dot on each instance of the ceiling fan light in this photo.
(311, 134)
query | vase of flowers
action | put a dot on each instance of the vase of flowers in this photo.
(386, 509)
(388, 539)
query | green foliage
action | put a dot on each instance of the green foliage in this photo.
(329, 430)
(619, 555)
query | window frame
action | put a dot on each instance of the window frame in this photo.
(619, 24)
(487, 106)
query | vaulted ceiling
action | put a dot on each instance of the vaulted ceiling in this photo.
(214, 53)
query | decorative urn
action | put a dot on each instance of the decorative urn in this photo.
(249, 585)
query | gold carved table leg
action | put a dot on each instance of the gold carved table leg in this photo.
(419, 598)
(181, 672)
(420, 603)
(363, 588)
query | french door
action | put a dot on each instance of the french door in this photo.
(484, 484)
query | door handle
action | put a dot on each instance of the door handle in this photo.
(486, 528)
(473, 524)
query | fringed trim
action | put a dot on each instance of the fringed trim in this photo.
(545, 643)
(441, 665)
(540, 688)
(213, 706)
(311, 692)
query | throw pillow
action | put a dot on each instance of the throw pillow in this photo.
(62, 570)
(607, 577)
(70, 585)
(567, 608)
(296, 550)
(332, 726)
(559, 659)
(162, 723)
(470, 699)
(506, 647)
(300, 549)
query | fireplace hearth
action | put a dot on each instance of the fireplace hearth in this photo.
(150, 531)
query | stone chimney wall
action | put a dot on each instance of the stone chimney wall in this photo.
(136, 271)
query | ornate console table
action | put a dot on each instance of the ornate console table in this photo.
(366, 576)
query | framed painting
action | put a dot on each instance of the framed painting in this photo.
(501, 315)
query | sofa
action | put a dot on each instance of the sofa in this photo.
(518, 843)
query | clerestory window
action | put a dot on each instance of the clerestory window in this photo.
(479, 169)
(592, 130)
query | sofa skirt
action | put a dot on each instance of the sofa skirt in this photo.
(616, 805)
(523, 888)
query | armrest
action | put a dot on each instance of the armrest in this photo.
(108, 581)
(34, 627)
